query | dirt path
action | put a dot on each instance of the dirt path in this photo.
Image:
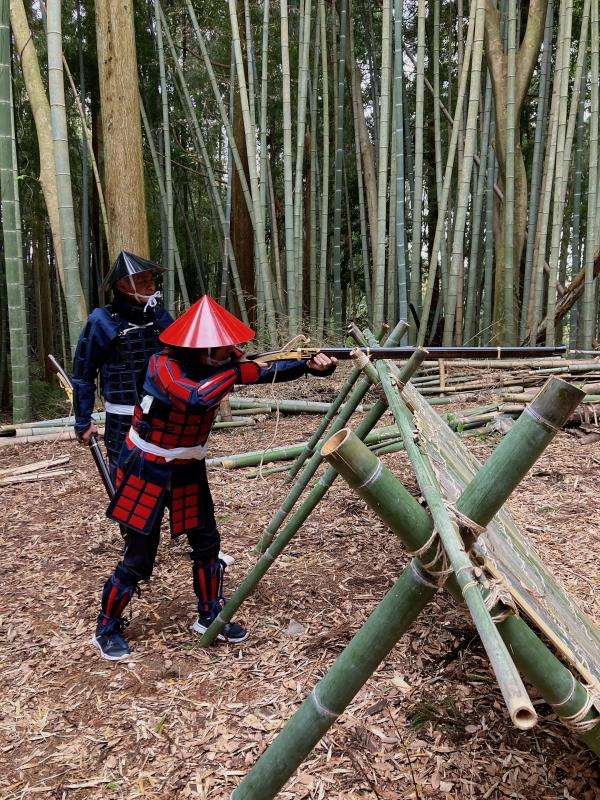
(181, 722)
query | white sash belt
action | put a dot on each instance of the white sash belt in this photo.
(199, 451)
(117, 408)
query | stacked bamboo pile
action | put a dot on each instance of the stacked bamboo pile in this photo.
(471, 377)
(37, 471)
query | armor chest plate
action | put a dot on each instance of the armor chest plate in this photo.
(129, 355)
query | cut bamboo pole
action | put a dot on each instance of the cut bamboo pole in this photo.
(318, 491)
(519, 706)
(410, 594)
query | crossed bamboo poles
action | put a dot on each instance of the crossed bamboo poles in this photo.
(432, 537)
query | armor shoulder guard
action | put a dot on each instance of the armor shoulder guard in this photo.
(163, 318)
(103, 325)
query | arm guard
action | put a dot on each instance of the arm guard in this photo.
(89, 355)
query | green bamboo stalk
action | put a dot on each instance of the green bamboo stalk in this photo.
(443, 204)
(288, 178)
(510, 333)
(588, 303)
(323, 228)
(437, 133)
(560, 169)
(391, 291)
(303, 73)
(386, 495)
(225, 117)
(465, 176)
(163, 199)
(417, 204)
(318, 491)
(212, 183)
(537, 276)
(13, 254)
(169, 282)
(379, 293)
(250, 133)
(470, 315)
(264, 99)
(515, 695)
(312, 264)
(73, 293)
(400, 231)
(364, 235)
(541, 126)
(354, 398)
(336, 267)
(576, 236)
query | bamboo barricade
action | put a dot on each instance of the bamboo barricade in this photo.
(515, 695)
(490, 488)
(297, 519)
(354, 399)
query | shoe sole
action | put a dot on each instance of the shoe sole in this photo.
(96, 644)
(227, 559)
(198, 628)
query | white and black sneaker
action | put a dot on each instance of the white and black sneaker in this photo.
(110, 641)
(232, 632)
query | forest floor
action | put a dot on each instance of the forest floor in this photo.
(177, 721)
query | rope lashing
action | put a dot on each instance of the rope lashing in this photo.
(441, 575)
(577, 722)
(498, 593)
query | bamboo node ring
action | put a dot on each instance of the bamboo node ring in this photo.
(542, 420)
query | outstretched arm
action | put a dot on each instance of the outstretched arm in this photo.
(167, 376)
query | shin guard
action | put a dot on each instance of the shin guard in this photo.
(208, 586)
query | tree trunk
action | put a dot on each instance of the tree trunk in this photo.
(123, 162)
(40, 108)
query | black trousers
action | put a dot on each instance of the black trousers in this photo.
(139, 552)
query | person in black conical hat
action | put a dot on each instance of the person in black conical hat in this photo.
(116, 344)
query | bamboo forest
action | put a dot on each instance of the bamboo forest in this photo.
(300, 399)
(308, 163)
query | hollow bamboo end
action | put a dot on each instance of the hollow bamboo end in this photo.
(524, 717)
(336, 441)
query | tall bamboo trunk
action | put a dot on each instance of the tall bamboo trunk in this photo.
(11, 229)
(73, 294)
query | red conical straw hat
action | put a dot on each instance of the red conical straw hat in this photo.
(206, 324)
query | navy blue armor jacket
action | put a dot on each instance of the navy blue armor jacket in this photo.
(116, 343)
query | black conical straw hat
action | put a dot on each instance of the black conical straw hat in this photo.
(129, 264)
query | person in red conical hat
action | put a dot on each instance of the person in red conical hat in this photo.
(162, 463)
